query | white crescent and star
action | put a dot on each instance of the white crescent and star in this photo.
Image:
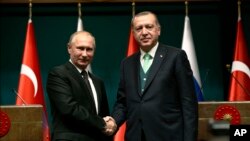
(240, 66)
(26, 70)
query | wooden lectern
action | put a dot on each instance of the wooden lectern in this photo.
(25, 123)
(209, 110)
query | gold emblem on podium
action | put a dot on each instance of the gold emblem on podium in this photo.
(228, 113)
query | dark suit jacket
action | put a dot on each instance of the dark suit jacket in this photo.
(72, 106)
(167, 109)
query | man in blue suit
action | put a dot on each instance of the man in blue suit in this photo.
(156, 94)
(77, 97)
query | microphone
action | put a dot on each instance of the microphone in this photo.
(24, 103)
(205, 79)
(228, 66)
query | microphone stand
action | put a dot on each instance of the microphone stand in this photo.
(245, 89)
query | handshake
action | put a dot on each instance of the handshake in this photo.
(110, 126)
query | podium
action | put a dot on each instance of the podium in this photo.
(211, 110)
(25, 122)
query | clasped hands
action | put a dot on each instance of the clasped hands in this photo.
(110, 126)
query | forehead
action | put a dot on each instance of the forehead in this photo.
(81, 36)
(144, 19)
(83, 39)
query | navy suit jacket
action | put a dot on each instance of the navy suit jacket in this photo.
(72, 106)
(167, 108)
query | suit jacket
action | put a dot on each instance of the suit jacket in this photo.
(72, 106)
(167, 108)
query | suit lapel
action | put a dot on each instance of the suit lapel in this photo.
(159, 57)
(135, 67)
(74, 72)
(77, 76)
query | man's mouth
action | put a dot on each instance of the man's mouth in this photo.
(145, 39)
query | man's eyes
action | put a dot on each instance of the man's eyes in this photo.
(85, 48)
(148, 27)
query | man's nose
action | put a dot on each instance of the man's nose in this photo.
(84, 52)
(144, 30)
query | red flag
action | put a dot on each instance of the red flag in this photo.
(119, 136)
(132, 44)
(30, 83)
(240, 73)
(132, 48)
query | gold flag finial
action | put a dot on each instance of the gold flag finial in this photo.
(133, 8)
(79, 10)
(30, 9)
(186, 7)
(239, 9)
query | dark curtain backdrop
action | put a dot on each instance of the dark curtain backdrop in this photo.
(213, 27)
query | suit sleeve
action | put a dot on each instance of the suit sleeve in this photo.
(187, 97)
(104, 108)
(60, 91)
(119, 111)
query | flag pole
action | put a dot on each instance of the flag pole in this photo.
(133, 8)
(30, 9)
(79, 23)
(79, 10)
(239, 9)
(186, 7)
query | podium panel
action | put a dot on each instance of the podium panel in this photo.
(25, 123)
(237, 112)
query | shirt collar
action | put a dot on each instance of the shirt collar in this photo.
(151, 52)
(78, 69)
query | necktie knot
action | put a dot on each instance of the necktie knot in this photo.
(147, 57)
(84, 74)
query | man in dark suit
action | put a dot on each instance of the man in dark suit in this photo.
(156, 95)
(77, 97)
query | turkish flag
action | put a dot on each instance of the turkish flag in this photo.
(132, 48)
(30, 89)
(240, 73)
(132, 44)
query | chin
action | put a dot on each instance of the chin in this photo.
(146, 45)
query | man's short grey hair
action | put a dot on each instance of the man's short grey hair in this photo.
(146, 13)
(72, 37)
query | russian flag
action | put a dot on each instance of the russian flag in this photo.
(188, 46)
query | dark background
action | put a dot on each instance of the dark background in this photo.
(213, 27)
